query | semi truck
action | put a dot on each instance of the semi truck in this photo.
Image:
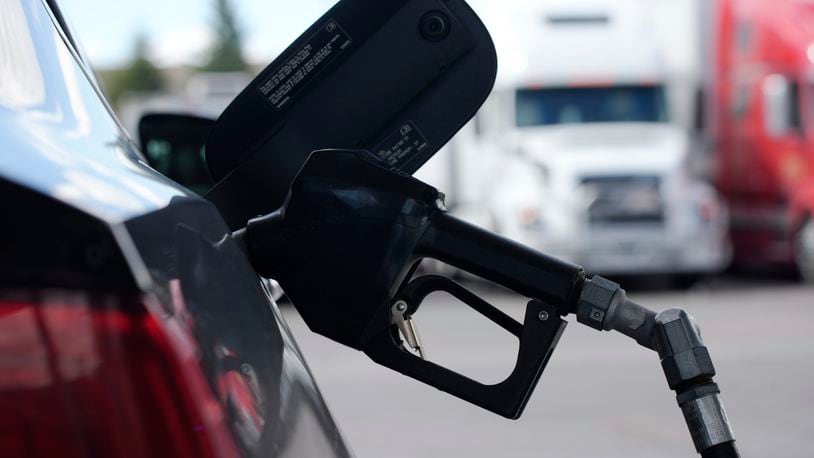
(583, 151)
(761, 101)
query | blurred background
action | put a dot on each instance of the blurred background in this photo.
(668, 144)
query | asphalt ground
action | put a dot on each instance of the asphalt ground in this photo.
(600, 396)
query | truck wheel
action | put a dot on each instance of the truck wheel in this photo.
(804, 247)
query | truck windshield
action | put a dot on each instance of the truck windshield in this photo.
(563, 105)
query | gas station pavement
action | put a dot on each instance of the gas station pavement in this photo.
(600, 396)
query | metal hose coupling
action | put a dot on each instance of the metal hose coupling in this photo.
(685, 360)
(604, 306)
(705, 416)
(689, 370)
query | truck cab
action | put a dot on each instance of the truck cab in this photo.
(598, 167)
(763, 104)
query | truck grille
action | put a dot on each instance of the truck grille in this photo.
(624, 199)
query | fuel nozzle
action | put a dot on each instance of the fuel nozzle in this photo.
(346, 247)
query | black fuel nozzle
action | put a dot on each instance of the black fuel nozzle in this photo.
(345, 247)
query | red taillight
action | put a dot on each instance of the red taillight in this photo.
(102, 378)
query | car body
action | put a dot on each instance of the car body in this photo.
(131, 324)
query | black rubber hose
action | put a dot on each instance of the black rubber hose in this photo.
(725, 450)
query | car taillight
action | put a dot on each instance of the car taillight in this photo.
(90, 376)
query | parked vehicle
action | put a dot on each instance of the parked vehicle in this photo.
(586, 148)
(761, 91)
(130, 324)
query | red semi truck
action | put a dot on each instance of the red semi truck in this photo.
(762, 125)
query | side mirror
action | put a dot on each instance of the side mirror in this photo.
(174, 145)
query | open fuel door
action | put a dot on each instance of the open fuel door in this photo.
(395, 77)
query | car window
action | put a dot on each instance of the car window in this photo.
(795, 107)
(740, 102)
(810, 105)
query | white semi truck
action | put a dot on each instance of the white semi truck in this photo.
(584, 149)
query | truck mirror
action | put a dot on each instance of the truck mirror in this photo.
(397, 78)
(777, 106)
(173, 144)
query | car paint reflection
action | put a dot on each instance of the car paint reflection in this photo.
(60, 140)
(65, 141)
(21, 80)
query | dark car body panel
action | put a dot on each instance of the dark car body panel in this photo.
(82, 210)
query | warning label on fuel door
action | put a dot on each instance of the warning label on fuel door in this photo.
(287, 80)
(401, 146)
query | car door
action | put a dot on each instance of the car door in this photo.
(131, 324)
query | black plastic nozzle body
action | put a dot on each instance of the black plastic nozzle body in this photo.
(347, 241)
(502, 261)
(351, 231)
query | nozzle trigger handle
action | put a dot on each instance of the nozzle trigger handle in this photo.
(538, 336)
